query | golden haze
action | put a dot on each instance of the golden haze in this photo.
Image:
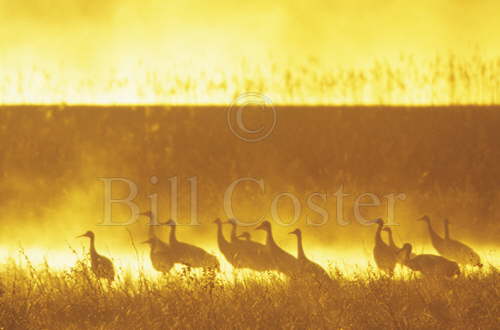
(52, 163)
(190, 52)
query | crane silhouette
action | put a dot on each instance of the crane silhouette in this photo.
(451, 249)
(249, 254)
(308, 267)
(281, 260)
(437, 241)
(428, 264)
(385, 256)
(393, 245)
(227, 249)
(234, 230)
(101, 266)
(189, 255)
(151, 232)
(161, 258)
(458, 251)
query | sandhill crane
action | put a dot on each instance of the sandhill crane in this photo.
(458, 251)
(245, 235)
(385, 256)
(161, 258)
(307, 266)
(227, 249)
(437, 241)
(234, 225)
(282, 260)
(188, 254)
(451, 249)
(391, 241)
(249, 254)
(101, 266)
(160, 245)
(428, 264)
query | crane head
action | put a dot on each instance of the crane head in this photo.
(147, 214)
(424, 218)
(218, 221)
(266, 225)
(88, 234)
(378, 221)
(245, 235)
(404, 253)
(170, 222)
(295, 232)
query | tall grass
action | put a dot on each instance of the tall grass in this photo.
(73, 299)
(443, 80)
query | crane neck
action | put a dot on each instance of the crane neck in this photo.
(93, 251)
(407, 253)
(434, 236)
(391, 239)
(270, 239)
(173, 237)
(221, 240)
(300, 248)
(234, 237)
(378, 235)
(153, 247)
(446, 230)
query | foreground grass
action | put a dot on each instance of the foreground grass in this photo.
(43, 299)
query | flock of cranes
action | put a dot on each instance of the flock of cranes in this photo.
(242, 252)
(451, 253)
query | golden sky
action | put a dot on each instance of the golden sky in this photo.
(82, 44)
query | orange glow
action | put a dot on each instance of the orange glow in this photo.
(138, 138)
(352, 264)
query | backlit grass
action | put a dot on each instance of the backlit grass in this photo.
(71, 299)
